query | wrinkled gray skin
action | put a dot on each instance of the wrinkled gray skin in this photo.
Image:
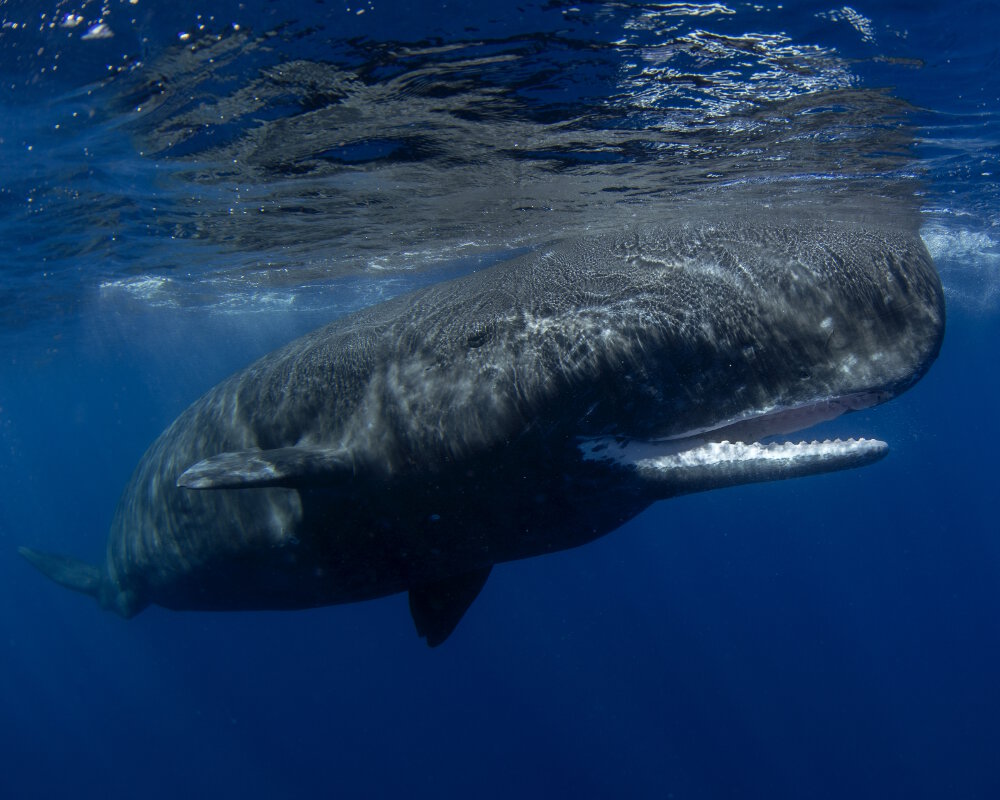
(414, 444)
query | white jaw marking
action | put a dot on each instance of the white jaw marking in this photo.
(692, 463)
(667, 455)
(713, 465)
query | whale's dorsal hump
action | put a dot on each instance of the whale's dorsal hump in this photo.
(290, 467)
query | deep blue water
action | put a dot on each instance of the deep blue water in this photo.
(205, 197)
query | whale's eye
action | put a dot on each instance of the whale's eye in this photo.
(478, 338)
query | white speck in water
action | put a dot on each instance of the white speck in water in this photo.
(98, 31)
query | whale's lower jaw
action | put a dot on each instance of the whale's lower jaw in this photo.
(716, 464)
(713, 465)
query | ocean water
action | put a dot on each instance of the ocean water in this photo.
(185, 187)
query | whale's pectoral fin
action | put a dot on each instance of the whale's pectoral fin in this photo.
(438, 607)
(291, 467)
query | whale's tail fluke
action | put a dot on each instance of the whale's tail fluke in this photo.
(81, 577)
(66, 571)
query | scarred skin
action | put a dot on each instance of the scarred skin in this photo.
(439, 433)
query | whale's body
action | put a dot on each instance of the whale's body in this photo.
(523, 409)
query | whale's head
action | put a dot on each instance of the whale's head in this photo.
(751, 332)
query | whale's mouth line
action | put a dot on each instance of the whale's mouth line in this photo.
(758, 426)
(745, 448)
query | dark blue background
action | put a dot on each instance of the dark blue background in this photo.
(829, 637)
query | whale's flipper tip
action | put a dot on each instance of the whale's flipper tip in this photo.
(437, 607)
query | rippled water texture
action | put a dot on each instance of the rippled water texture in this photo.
(236, 162)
